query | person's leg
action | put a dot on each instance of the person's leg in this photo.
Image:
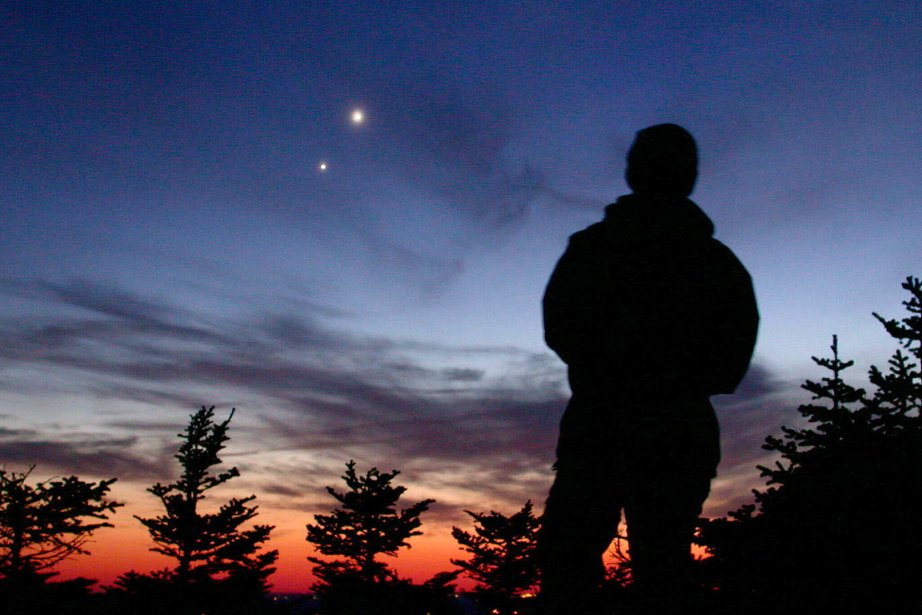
(676, 459)
(660, 532)
(579, 524)
(581, 517)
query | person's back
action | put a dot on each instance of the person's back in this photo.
(652, 316)
(648, 299)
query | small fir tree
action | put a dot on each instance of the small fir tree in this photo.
(898, 398)
(44, 523)
(365, 526)
(208, 547)
(502, 556)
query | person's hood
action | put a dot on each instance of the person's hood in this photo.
(639, 218)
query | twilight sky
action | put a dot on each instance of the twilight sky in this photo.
(170, 240)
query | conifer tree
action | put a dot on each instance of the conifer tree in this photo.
(502, 556)
(44, 523)
(366, 525)
(898, 398)
(208, 545)
(837, 526)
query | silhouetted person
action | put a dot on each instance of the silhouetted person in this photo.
(652, 316)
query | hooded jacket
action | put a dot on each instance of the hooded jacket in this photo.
(648, 302)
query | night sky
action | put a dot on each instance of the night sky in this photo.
(170, 238)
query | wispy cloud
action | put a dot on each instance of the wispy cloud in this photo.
(432, 409)
(759, 407)
(329, 389)
(84, 455)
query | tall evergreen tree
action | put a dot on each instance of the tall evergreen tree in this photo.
(209, 547)
(837, 526)
(502, 556)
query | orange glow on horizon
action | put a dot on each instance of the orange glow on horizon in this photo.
(123, 549)
(126, 547)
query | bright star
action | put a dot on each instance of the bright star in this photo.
(358, 116)
(322, 166)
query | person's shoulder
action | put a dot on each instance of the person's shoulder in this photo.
(590, 235)
(725, 258)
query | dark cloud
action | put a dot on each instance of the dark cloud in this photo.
(152, 394)
(100, 301)
(297, 332)
(761, 404)
(454, 146)
(283, 490)
(451, 141)
(94, 298)
(19, 433)
(479, 431)
(110, 457)
(334, 390)
(430, 272)
(758, 384)
(457, 374)
(156, 427)
(270, 352)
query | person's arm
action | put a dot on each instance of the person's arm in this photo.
(569, 305)
(738, 327)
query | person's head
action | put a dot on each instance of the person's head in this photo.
(663, 160)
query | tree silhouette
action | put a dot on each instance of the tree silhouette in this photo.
(502, 556)
(366, 525)
(44, 523)
(215, 557)
(837, 526)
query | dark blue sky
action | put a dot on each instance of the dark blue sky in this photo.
(169, 239)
